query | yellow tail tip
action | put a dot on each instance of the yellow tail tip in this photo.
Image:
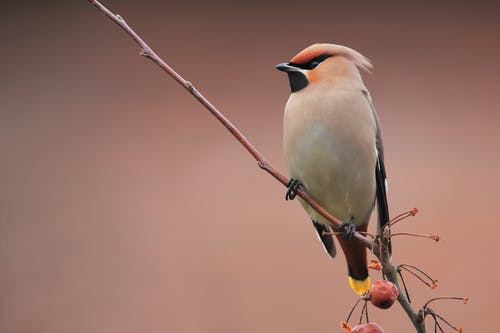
(360, 286)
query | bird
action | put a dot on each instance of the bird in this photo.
(333, 149)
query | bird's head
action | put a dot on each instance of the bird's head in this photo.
(323, 63)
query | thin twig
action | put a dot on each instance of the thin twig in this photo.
(432, 282)
(464, 299)
(353, 308)
(436, 316)
(402, 216)
(435, 238)
(404, 285)
(363, 309)
(148, 52)
(417, 269)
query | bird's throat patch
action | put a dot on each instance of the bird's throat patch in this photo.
(298, 81)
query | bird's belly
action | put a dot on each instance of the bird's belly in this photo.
(333, 170)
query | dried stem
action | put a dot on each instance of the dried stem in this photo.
(464, 299)
(435, 238)
(364, 310)
(402, 216)
(431, 283)
(353, 308)
(379, 246)
(404, 286)
(437, 325)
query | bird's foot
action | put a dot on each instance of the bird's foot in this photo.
(348, 229)
(292, 187)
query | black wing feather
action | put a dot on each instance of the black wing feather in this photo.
(327, 240)
(382, 206)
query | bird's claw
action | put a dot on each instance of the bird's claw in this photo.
(351, 229)
(292, 187)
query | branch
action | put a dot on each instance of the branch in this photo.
(380, 247)
(147, 52)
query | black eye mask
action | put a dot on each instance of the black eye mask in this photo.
(313, 63)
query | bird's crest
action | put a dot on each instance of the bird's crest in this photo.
(316, 50)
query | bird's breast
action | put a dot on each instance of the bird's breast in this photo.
(329, 146)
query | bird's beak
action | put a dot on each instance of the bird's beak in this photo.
(286, 67)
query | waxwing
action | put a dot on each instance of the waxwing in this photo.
(333, 148)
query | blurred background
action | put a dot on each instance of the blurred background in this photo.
(126, 207)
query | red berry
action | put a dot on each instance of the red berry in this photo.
(367, 328)
(383, 294)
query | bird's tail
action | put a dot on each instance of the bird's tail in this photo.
(355, 254)
(360, 287)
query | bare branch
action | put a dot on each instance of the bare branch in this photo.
(148, 52)
(390, 271)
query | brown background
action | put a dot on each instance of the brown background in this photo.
(125, 207)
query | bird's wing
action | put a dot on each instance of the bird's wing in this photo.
(380, 174)
(326, 240)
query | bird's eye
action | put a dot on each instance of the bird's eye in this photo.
(313, 63)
